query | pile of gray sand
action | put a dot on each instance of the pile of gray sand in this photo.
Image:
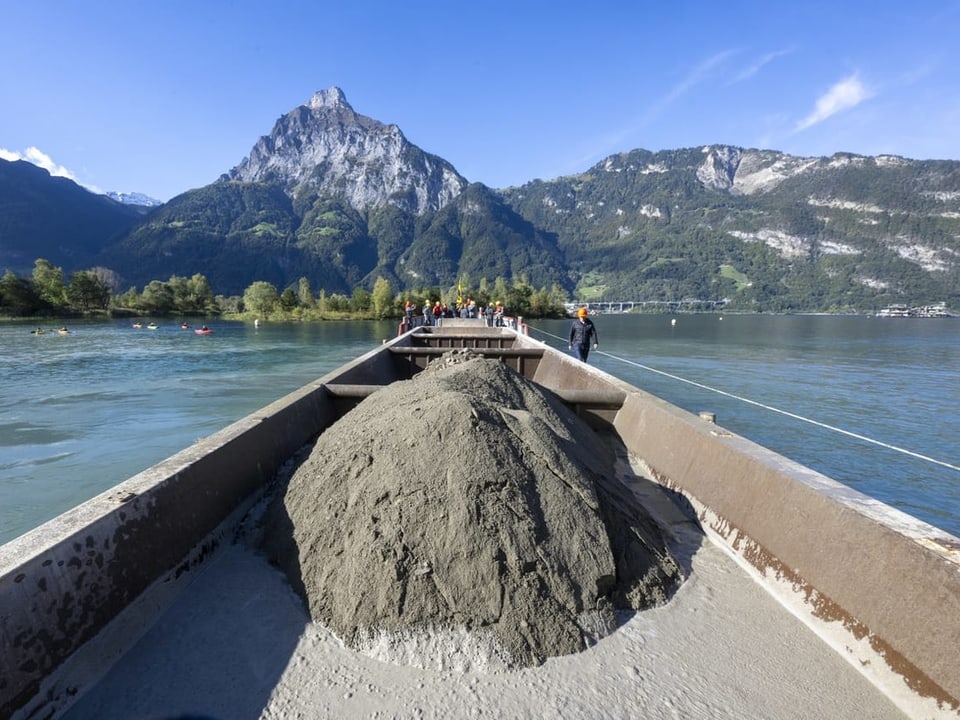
(468, 504)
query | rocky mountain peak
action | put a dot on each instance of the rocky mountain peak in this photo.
(330, 98)
(326, 147)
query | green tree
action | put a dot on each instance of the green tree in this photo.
(87, 292)
(201, 294)
(107, 277)
(517, 301)
(157, 298)
(500, 290)
(464, 289)
(192, 295)
(288, 299)
(180, 292)
(558, 297)
(360, 299)
(304, 293)
(18, 296)
(48, 282)
(228, 304)
(260, 297)
(382, 297)
(338, 303)
(128, 300)
(541, 304)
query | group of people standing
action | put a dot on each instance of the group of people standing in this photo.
(434, 314)
(583, 333)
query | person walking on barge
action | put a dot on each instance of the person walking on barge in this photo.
(583, 334)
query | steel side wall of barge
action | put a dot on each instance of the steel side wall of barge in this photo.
(886, 584)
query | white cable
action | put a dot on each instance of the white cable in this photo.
(771, 408)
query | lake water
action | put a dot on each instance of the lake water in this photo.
(81, 412)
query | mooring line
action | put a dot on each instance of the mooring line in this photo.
(787, 413)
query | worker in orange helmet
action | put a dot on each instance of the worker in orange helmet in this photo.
(583, 334)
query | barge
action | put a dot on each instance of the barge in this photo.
(879, 587)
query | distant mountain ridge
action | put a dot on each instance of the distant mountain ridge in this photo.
(327, 148)
(134, 198)
(54, 218)
(775, 231)
(341, 199)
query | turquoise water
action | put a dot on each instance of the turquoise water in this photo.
(892, 380)
(81, 412)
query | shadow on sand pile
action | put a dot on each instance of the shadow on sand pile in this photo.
(466, 519)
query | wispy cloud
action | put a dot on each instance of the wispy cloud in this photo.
(844, 95)
(911, 76)
(40, 159)
(614, 140)
(693, 78)
(758, 65)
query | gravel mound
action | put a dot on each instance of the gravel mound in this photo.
(465, 519)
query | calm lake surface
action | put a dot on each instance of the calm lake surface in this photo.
(81, 412)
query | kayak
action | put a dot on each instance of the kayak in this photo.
(203, 331)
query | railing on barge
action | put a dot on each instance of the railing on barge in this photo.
(411, 355)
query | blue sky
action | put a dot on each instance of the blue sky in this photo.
(160, 97)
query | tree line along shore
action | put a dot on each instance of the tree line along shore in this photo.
(48, 293)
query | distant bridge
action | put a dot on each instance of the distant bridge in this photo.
(610, 307)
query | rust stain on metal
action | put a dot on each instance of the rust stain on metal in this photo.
(823, 607)
(950, 544)
(826, 609)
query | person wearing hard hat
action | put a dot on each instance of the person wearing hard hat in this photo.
(583, 334)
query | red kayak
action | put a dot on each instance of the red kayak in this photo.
(203, 331)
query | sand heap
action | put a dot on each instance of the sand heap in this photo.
(466, 519)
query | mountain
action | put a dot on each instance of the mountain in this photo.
(767, 230)
(42, 216)
(325, 148)
(341, 199)
(134, 199)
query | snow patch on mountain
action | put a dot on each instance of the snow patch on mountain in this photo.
(134, 198)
